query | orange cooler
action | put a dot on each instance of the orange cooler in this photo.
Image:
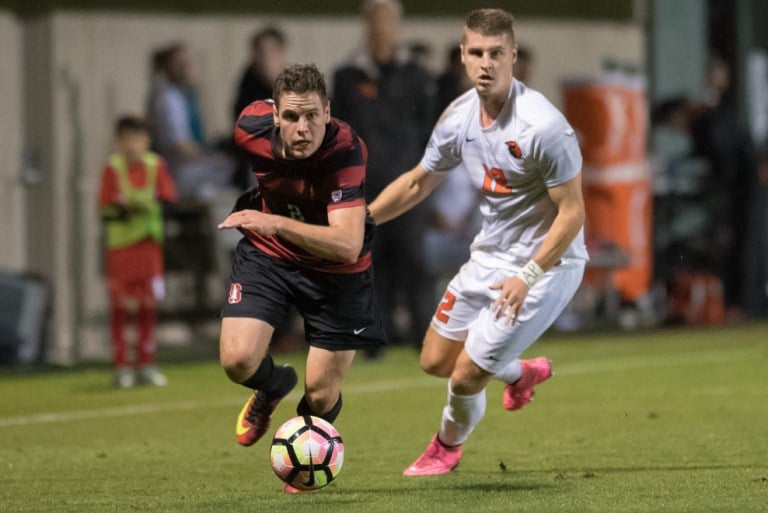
(610, 118)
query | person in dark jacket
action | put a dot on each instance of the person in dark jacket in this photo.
(389, 99)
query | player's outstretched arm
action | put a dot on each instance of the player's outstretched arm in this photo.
(405, 192)
(340, 241)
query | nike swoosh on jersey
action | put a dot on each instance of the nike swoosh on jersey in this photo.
(357, 332)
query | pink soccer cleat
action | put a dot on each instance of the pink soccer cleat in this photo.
(437, 459)
(520, 393)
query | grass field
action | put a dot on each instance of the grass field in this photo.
(669, 421)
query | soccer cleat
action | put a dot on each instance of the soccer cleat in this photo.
(124, 378)
(151, 375)
(520, 393)
(437, 459)
(253, 420)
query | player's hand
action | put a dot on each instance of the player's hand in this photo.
(253, 220)
(511, 299)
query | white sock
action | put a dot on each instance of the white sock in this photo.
(460, 416)
(510, 373)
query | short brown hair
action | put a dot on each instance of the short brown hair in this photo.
(300, 79)
(491, 22)
(130, 123)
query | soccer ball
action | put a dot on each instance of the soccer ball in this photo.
(307, 452)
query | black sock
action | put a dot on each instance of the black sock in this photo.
(271, 378)
(262, 375)
(303, 408)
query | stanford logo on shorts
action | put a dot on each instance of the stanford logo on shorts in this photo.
(235, 293)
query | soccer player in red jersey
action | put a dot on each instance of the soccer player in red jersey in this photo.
(133, 184)
(307, 243)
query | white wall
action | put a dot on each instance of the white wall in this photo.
(102, 60)
(12, 238)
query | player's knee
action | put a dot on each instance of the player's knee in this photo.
(237, 363)
(320, 398)
(435, 366)
(468, 379)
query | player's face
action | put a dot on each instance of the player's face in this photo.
(302, 119)
(133, 144)
(488, 61)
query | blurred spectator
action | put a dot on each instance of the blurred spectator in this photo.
(389, 100)
(453, 80)
(267, 60)
(268, 53)
(524, 64)
(133, 184)
(421, 54)
(720, 138)
(177, 128)
(454, 221)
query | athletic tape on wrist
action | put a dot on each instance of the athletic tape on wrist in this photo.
(530, 273)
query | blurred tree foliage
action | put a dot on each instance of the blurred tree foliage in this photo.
(617, 10)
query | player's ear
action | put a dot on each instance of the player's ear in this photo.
(327, 111)
(461, 47)
(514, 53)
(275, 115)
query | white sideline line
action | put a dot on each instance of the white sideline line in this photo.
(140, 409)
(367, 388)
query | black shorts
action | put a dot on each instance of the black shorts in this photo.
(339, 310)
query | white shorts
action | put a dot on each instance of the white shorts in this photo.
(465, 313)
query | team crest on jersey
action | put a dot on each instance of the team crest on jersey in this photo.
(336, 196)
(514, 149)
(235, 294)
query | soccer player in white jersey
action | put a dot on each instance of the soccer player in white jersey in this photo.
(528, 259)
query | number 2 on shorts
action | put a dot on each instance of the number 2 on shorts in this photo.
(445, 306)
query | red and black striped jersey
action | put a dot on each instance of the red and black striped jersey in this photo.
(307, 189)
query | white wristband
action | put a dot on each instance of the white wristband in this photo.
(530, 273)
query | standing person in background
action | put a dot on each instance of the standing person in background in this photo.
(133, 185)
(268, 54)
(390, 101)
(453, 80)
(267, 61)
(524, 64)
(720, 138)
(527, 260)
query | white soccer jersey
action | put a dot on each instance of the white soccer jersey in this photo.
(528, 148)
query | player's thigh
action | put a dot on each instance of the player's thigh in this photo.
(439, 353)
(242, 344)
(493, 343)
(325, 371)
(464, 299)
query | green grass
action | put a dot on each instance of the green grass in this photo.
(669, 421)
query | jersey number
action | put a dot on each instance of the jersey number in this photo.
(495, 181)
(295, 212)
(445, 306)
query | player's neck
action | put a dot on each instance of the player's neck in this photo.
(491, 106)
